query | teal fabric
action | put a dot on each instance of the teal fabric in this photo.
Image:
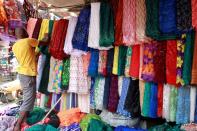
(35, 116)
(97, 125)
(146, 100)
(42, 128)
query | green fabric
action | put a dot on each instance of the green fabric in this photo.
(42, 128)
(122, 59)
(152, 22)
(106, 25)
(35, 116)
(98, 125)
(86, 120)
(188, 57)
(165, 127)
(51, 22)
(173, 103)
(65, 74)
(146, 100)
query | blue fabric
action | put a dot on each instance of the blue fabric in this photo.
(80, 37)
(167, 16)
(106, 92)
(92, 101)
(195, 117)
(153, 101)
(125, 87)
(93, 65)
(124, 128)
(183, 105)
(74, 126)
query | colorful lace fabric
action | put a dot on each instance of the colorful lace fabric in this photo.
(65, 74)
(152, 22)
(149, 51)
(118, 24)
(135, 62)
(55, 75)
(171, 62)
(167, 16)
(129, 28)
(106, 25)
(57, 40)
(125, 86)
(141, 21)
(102, 66)
(128, 61)
(93, 66)
(183, 105)
(180, 60)
(113, 95)
(188, 57)
(80, 37)
(132, 101)
(184, 15)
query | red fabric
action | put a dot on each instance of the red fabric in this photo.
(118, 24)
(194, 13)
(171, 61)
(160, 99)
(58, 37)
(49, 101)
(135, 62)
(159, 62)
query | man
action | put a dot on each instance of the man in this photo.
(24, 50)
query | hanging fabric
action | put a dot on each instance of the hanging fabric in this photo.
(135, 62)
(167, 16)
(3, 16)
(93, 66)
(141, 88)
(188, 57)
(183, 105)
(84, 103)
(132, 102)
(171, 61)
(63, 102)
(106, 25)
(30, 26)
(146, 99)
(44, 29)
(102, 66)
(152, 22)
(110, 59)
(106, 92)
(120, 82)
(65, 74)
(192, 103)
(173, 103)
(141, 22)
(113, 94)
(80, 37)
(92, 100)
(37, 29)
(115, 60)
(153, 101)
(128, 61)
(118, 24)
(160, 99)
(194, 13)
(166, 102)
(120, 108)
(122, 59)
(194, 65)
(58, 38)
(184, 15)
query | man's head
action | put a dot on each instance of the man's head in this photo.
(21, 33)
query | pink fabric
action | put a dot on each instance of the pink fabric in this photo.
(129, 22)
(30, 26)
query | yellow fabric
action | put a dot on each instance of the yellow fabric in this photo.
(43, 29)
(25, 54)
(115, 63)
